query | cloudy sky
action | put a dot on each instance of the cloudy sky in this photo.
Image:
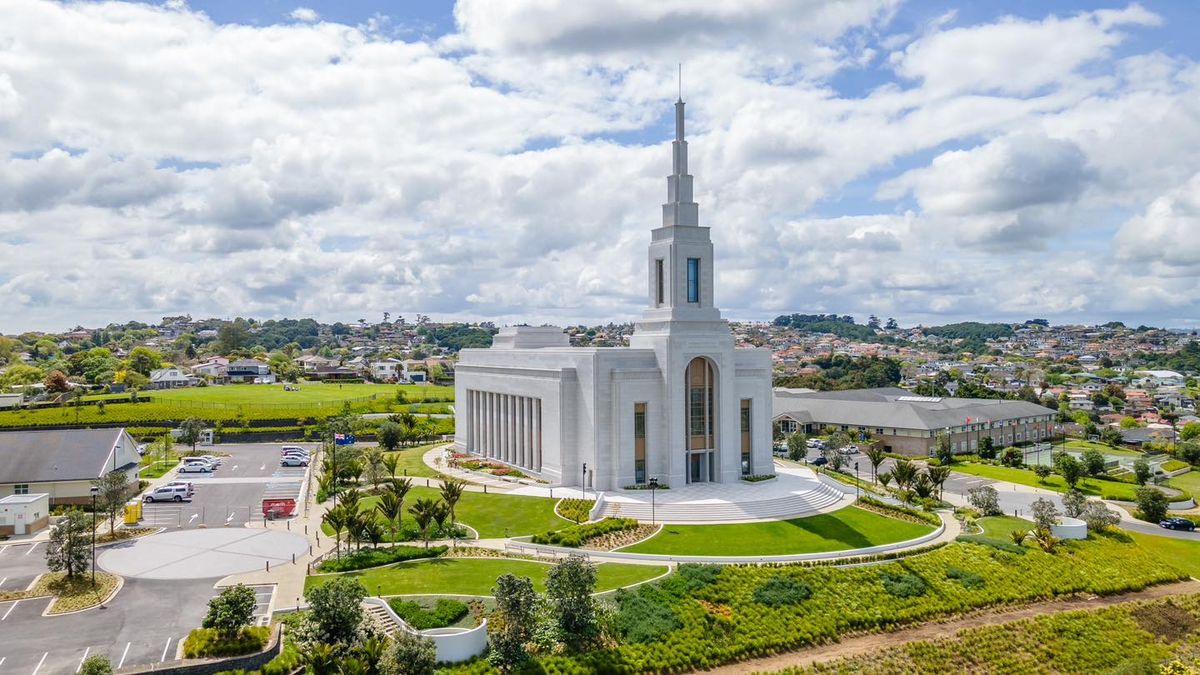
(924, 159)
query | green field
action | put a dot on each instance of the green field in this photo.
(847, 528)
(1188, 482)
(1182, 553)
(411, 462)
(477, 576)
(236, 405)
(1108, 489)
(491, 515)
(1081, 445)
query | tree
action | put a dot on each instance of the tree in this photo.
(233, 336)
(837, 441)
(423, 512)
(987, 448)
(391, 508)
(1190, 431)
(1141, 470)
(1012, 457)
(1128, 422)
(938, 476)
(1189, 452)
(96, 664)
(231, 609)
(1152, 503)
(56, 382)
(570, 585)
(190, 430)
(797, 446)
(985, 499)
(904, 472)
(452, 491)
(389, 435)
(1043, 472)
(1045, 513)
(945, 452)
(512, 622)
(875, 455)
(836, 461)
(144, 360)
(391, 462)
(336, 609)
(113, 489)
(1069, 468)
(1093, 462)
(375, 469)
(891, 324)
(400, 487)
(1073, 503)
(1111, 436)
(69, 548)
(409, 654)
(337, 519)
(1098, 516)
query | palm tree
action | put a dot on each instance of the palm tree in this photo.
(452, 490)
(400, 488)
(922, 486)
(371, 651)
(440, 513)
(423, 512)
(335, 518)
(938, 476)
(391, 462)
(370, 530)
(875, 455)
(374, 467)
(350, 499)
(885, 478)
(391, 507)
(320, 659)
(904, 472)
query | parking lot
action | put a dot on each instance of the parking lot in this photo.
(232, 494)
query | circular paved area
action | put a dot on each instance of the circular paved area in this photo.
(201, 553)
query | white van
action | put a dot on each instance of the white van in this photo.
(168, 493)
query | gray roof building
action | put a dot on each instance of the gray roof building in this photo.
(58, 456)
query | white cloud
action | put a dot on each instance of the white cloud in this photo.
(1166, 233)
(305, 14)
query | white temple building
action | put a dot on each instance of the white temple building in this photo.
(680, 404)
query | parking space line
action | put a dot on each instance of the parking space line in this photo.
(3, 580)
(82, 659)
(2, 659)
(123, 655)
(10, 609)
(165, 648)
(33, 546)
(39, 665)
(4, 548)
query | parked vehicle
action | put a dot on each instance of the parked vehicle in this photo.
(191, 487)
(780, 450)
(294, 451)
(292, 448)
(1178, 524)
(820, 461)
(167, 493)
(212, 459)
(849, 450)
(816, 444)
(293, 460)
(141, 449)
(195, 467)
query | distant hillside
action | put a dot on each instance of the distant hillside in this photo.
(845, 372)
(970, 330)
(841, 326)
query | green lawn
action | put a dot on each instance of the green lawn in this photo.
(847, 528)
(309, 392)
(1080, 445)
(1188, 482)
(477, 576)
(156, 469)
(492, 515)
(1107, 489)
(412, 462)
(1181, 553)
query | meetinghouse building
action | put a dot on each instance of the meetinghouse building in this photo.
(680, 404)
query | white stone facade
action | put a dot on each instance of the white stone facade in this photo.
(680, 404)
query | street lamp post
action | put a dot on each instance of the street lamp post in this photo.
(583, 481)
(856, 480)
(653, 489)
(94, 490)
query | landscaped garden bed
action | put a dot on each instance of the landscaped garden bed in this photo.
(375, 557)
(427, 613)
(71, 594)
(210, 642)
(576, 536)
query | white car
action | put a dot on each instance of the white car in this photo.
(167, 493)
(291, 448)
(293, 460)
(195, 467)
(849, 450)
(191, 487)
(211, 459)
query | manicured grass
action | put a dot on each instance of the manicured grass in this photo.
(1001, 527)
(477, 576)
(491, 515)
(847, 528)
(1080, 445)
(157, 469)
(1188, 482)
(1181, 553)
(411, 462)
(309, 392)
(1107, 489)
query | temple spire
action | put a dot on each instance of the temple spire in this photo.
(680, 210)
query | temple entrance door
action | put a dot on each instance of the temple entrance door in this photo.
(700, 467)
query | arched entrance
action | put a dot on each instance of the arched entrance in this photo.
(700, 384)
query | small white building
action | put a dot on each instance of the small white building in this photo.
(680, 404)
(169, 378)
(388, 370)
(24, 514)
(11, 400)
(63, 463)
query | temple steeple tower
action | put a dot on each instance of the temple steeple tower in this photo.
(680, 210)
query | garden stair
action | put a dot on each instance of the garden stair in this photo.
(381, 617)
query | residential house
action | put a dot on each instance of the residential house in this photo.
(170, 378)
(216, 369)
(63, 463)
(250, 370)
(388, 370)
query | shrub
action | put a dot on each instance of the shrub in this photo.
(898, 512)
(206, 642)
(575, 510)
(902, 584)
(231, 609)
(1000, 544)
(409, 654)
(780, 590)
(445, 612)
(644, 615)
(985, 500)
(97, 664)
(575, 536)
(1152, 503)
(374, 557)
(967, 579)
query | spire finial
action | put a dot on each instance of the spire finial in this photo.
(680, 81)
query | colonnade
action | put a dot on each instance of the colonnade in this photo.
(506, 428)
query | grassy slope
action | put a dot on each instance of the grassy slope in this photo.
(844, 529)
(491, 515)
(1080, 445)
(1088, 486)
(1188, 482)
(1001, 527)
(1181, 553)
(310, 392)
(412, 462)
(477, 576)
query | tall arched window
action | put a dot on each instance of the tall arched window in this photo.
(701, 397)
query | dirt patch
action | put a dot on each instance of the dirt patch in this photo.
(1168, 622)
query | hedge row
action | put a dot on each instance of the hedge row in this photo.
(577, 535)
(374, 557)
